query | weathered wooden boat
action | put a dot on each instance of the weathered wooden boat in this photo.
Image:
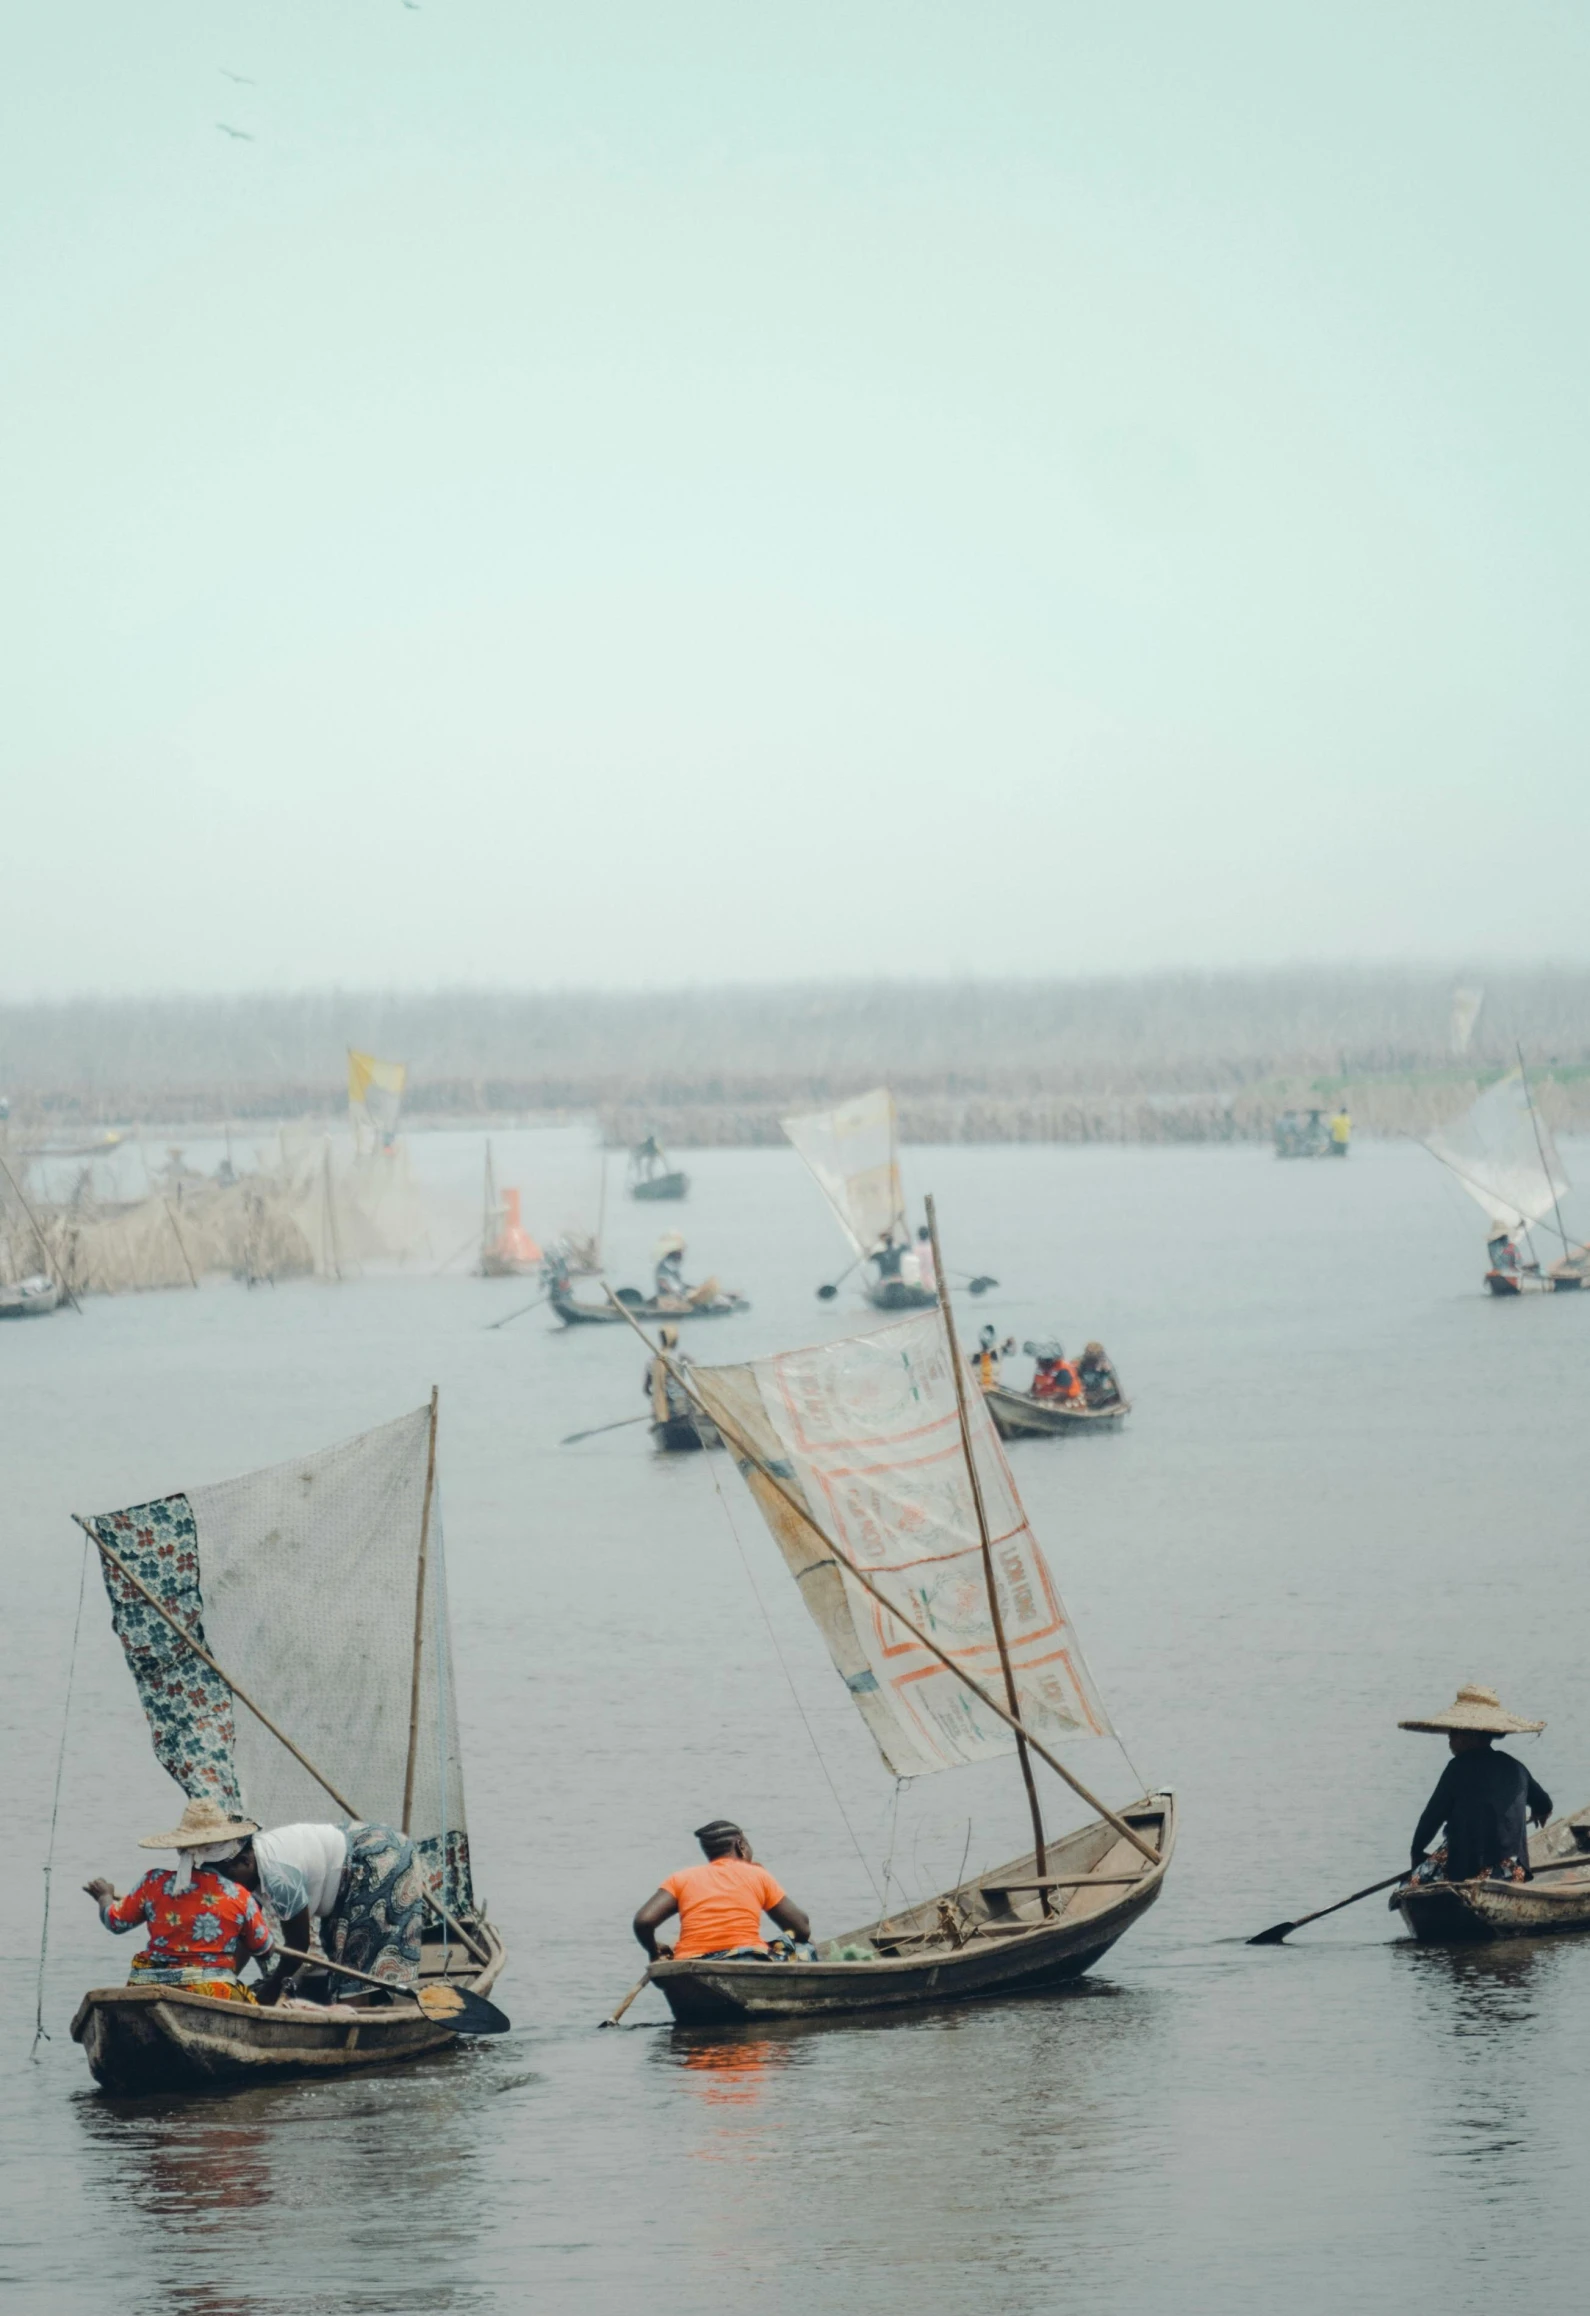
(1017, 1415)
(899, 1295)
(1502, 1152)
(240, 1582)
(1559, 1280)
(1556, 1901)
(853, 1156)
(576, 1313)
(684, 1435)
(650, 1175)
(140, 2039)
(30, 1298)
(1009, 1932)
(882, 1480)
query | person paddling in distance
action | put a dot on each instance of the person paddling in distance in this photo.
(1481, 1797)
(720, 1907)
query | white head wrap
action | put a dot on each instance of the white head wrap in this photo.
(188, 1859)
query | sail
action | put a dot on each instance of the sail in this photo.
(300, 1582)
(851, 1152)
(1466, 1004)
(864, 1434)
(1502, 1152)
(375, 1093)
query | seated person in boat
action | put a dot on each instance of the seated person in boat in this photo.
(669, 1275)
(1503, 1253)
(888, 1255)
(1481, 1796)
(988, 1356)
(670, 1403)
(361, 1889)
(720, 1907)
(926, 1275)
(203, 1924)
(1053, 1376)
(1101, 1386)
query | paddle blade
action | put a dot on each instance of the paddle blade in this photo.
(465, 2013)
(826, 1294)
(1273, 1936)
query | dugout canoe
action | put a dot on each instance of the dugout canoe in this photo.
(29, 1298)
(899, 1295)
(141, 2039)
(1017, 1415)
(986, 1940)
(1555, 1902)
(575, 1313)
(684, 1435)
(661, 1186)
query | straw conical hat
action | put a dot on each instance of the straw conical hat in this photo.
(1475, 1708)
(204, 1824)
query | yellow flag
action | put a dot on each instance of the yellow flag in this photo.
(375, 1090)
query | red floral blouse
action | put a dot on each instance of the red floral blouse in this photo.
(212, 1925)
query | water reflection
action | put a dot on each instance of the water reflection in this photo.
(1482, 2012)
(727, 2070)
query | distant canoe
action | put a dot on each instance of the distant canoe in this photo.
(1466, 1913)
(1563, 1278)
(685, 1435)
(987, 1939)
(29, 1298)
(1017, 1415)
(674, 1185)
(575, 1313)
(139, 2039)
(898, 1295)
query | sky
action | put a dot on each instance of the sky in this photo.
(624, 494)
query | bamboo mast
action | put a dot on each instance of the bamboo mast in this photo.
(743, 1449)
(259, 1713)
(1540, 1145)
(419, 1620)
(1011, 1698)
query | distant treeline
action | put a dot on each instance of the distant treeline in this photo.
(1165, 1056)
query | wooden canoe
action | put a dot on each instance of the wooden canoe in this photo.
(1466, 1913)
(139, 2039)
(898, 1295)
(674, 1185)
(684, 1435)
(30, 1298)
(1561, 1279)
(1017, 1415)
(574, 1313)
(987, 1939)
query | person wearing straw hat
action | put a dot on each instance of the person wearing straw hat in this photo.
(203, 1926)
(1481, 1797)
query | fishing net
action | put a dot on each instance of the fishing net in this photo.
(865, 1435)
(304, 1576)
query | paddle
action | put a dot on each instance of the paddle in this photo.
(519, 1314)
(624, 2005)
(445, 2004)
(1279, 1930)
(826, 1293)
(623, 1422)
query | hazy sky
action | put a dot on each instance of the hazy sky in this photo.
(623, 492)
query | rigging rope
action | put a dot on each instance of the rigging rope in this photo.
(881, 1895)
(40, 2034)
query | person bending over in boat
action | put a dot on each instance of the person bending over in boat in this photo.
(360, 1888)
(1101, 1386)
(1053, 1375)
(203, 1924)
(1480, 1797)
(720, 1907)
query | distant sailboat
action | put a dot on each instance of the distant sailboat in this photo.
(854, 1158)
(507, 1251)
(1501, 1150)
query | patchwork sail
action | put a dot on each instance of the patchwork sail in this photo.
(1502, 1152)
(865, 1434)
(853, 1155)
(301, 1581)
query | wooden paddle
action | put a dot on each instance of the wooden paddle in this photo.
(1279, 1930)
(637, 1988)
(622, 1424)
(444, 2004)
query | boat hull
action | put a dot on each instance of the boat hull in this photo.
(684, 1435)
(897, 1295)
(1017, 1415)
(1554, 1904)
(577, 1314)
(29, 1299)
(140, 2039)
(1008, 1948)
(662, 1186)
(1511, 1283)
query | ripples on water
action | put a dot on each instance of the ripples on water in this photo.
(1350, 1482)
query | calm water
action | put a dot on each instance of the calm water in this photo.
(1350, 1482)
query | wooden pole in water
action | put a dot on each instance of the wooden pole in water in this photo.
(260, 1715)
(419, 1620)
(997, 1619)
(181, 1246)
(741, 1447)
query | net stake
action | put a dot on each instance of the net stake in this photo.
(419, 1619)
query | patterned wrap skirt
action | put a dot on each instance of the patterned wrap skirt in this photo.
(381, 1911)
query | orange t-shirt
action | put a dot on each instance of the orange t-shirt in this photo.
(721, 1903)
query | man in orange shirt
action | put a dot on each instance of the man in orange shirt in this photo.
(720, 1905)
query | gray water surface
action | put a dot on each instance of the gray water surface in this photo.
(1350, 1482)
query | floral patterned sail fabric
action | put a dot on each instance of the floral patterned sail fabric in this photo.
(865, 1434)
(300, 1581)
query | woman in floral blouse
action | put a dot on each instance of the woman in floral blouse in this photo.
(202, 1925)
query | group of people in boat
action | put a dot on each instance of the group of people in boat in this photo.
(1310, 1134)
(351, 1896)
(1087, 1381)
(907, 1263)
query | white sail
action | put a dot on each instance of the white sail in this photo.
(852, 1154)
(1466, 1004)
(1502, 1152)
(864, 1433)
(301, 1581)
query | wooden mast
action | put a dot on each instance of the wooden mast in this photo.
(1011, 1698)
(741, 1447)
(1540, 1145)
(419, 1621)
